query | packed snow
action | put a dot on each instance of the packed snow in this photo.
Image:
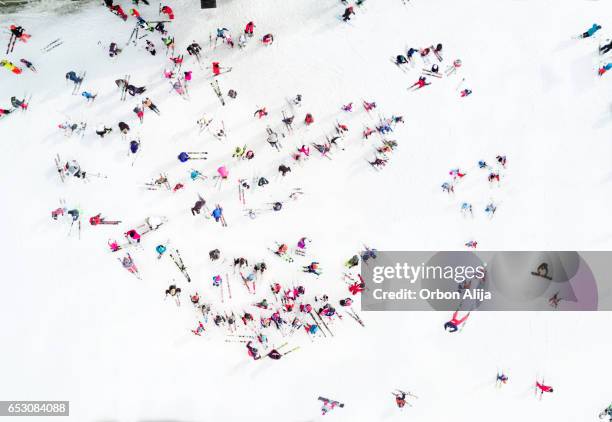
(79, 327)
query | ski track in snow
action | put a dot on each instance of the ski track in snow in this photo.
(78, 327)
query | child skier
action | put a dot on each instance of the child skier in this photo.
(420, 83)
(453, 325)
(541, 388)
(591, 31)
(346, 16)
(312, 268)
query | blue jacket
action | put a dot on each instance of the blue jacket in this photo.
(593, 29)
(183, 157)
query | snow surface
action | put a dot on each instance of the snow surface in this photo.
(76, 326)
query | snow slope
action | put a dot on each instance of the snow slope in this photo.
(78, 327)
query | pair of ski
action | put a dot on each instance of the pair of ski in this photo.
(401, 66)
(225, 70)
(178, 261)
(288, 351)
(332, 402)
(355, 316)
(77, 85)
(11, 43)
(241, 191)
(217, 90)
(324, 324)
(78, 228)
(53, 44)
(285, 257)
(60, 168)
(124, 90)
(430, 73)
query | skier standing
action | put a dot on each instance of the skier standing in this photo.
(346, 16)
(591, 31)
(453, 325)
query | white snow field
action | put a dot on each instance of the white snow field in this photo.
(76, 326)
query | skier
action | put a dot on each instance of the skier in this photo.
(133, 235)
(72, 76)
(352, 262)
(28, 64)
(400, 399)
(260, 113)
(252, 351)
(453, 325)
(282, 250)
(501, 159)
(96, 219)
(194, 49)
(400, 59)
(328, 405)
(5, 112)
(490, 209)
(128, 264)
(197, 207)
(139, 112)
(89, 96)
(465, 92)
(304, 150)
(19, 103)
(124, 128)
(151, 48)
(217, 213)
(267, 39)
(148, 103)
(308, 119)
(543, 388)
(607, 411)
(605, 47)
(73, 169)
(173, 291)
(312, 268)
(466, 208)
(369, 106)
(167, 10)
(133, 90)
(420, 83)
(113, 50)
(472, 244)
(604, 68)
(378, 162)
(102, 131)
(297, 101)
(274, 354)
(591, 31)
(283, 169)
(348, 107)
(346, 16)
(301, 244)
(411, 52)
(19, 33)
(501, 379)
(249, 28)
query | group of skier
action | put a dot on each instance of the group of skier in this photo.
(286, 308)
